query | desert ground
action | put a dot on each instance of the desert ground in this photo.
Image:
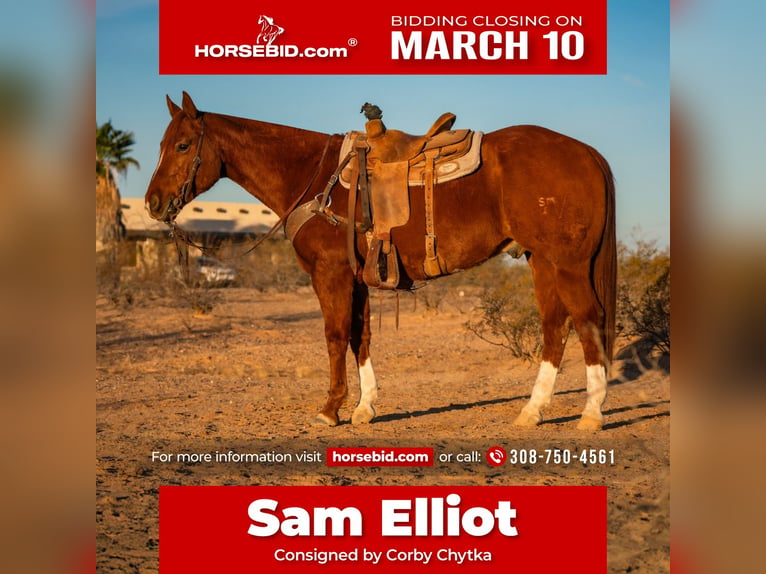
(251, 375)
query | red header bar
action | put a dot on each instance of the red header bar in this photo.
(309, 529)
(394, 37)
(390, 456)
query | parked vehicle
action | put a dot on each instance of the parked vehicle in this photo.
(214, 273)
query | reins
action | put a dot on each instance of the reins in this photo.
(177, 233)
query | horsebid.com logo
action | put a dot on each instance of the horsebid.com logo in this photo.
(264, 46)
(269, 30)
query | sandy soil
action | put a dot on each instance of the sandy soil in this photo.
(251, 376)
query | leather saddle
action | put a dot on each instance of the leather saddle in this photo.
(384, 167)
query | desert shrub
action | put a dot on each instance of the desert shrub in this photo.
(508, 315)
(196, 295)
(273, 265)
(432, 295)
(643, 296)
(450, 291)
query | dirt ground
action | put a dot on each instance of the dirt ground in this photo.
(251, 375)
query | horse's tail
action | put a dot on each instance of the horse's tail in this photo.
(605, 262)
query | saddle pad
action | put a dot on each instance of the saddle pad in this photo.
(444, 171)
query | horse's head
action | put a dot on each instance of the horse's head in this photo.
(188, 164)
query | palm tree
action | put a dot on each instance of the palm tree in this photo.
(112, 160)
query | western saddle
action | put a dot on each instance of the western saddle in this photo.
(380, 168)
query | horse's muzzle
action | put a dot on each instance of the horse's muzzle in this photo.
(165, 214)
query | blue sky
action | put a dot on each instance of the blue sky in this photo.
(624, 114)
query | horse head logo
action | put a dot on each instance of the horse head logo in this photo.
(269, 30)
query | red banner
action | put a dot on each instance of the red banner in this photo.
(394, 37)
(382, 528)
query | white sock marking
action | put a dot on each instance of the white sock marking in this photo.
(368, 384)
(543, 389)
(596, 390)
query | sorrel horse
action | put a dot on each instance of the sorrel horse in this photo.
(550, 193)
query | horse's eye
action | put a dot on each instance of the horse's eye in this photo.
(182, 147)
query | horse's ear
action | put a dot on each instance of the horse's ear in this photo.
(172, 107)
(189, 107)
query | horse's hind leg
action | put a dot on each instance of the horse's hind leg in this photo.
(577, 293)
(556, 327)
(360, 345)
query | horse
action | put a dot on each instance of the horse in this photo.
(550, 193)
(269, 30)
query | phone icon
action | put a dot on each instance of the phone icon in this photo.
(496, 456)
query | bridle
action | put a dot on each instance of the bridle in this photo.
(185, 193)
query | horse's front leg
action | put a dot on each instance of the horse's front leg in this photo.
(360, 345)
(335, 294)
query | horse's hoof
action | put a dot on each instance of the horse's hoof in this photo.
(362, 415)
(322, 418)
(527, 420)
(590, 423)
